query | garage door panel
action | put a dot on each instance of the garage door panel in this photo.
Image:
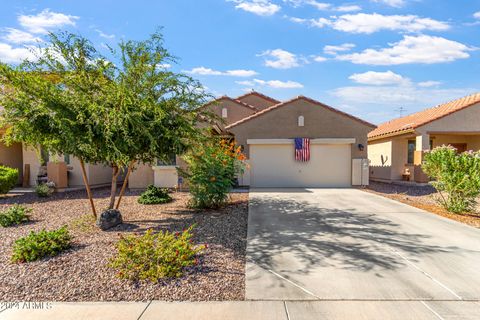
(275, 166)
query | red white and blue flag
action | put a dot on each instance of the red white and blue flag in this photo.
(302, 149)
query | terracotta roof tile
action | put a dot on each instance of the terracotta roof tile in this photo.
(276, 106)
(411, 122)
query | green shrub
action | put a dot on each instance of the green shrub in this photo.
(41, 244)
(14, 216)
(457, 177)
(8, 179)
(154, 195)
(43, 190)
(211, 173)
(154, 256)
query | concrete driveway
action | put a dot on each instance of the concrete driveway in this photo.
(346, 244)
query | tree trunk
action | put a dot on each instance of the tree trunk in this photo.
(87, 187)
(113, 191)
(125, 182)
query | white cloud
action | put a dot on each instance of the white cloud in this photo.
(280, 59)
(331, 49)
(164, 66)
(45, 21)
(8, 54)
(394, 96)
(246, 83)
(18, 36)
(428, 84)
(277, 84)
(412, 49)
(105, 35)
(210, 72)
(379, 78)
(348, 8)
(392, 3)
(319, 58)
(370, 23)
(319, 5)
(476, 15)
(373, 22)
(258, 7)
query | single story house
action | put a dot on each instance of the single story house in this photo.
(266, 128)
(396, 147)
(35, 165)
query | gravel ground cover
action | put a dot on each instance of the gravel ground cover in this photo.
(422, 197)
(82, 273)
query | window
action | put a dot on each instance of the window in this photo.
(224, 112)
(170, 161)
(301, 121)
(411, 151)
(412, 145)
(66, 158)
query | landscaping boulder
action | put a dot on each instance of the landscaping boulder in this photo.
(109, 219)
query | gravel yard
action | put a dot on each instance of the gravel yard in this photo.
(82, 274)
(422, 197)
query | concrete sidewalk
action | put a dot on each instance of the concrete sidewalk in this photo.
(252, 310)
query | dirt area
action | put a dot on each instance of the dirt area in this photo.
(82, 273)
(422, 197)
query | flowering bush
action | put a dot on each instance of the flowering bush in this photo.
(457, 175)
(211, 173)
(154, 256)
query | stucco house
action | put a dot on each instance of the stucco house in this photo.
(266, 128)
(396, 147)
(65, 171)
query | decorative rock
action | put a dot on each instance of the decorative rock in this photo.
(109, 219)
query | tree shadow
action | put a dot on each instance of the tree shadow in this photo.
(314, 236)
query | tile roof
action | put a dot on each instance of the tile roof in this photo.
(258, 94)
(411, 122)
(276, 106)
(233, 100)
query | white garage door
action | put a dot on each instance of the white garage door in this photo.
(274, 165)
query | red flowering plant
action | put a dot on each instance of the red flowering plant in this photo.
(212, 171)
(154, 256)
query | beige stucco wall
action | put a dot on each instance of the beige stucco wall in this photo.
(141, 177)
(11, 156)
(472, 141)
(235, 111)
(99, 174)
(380, 156)
(399, 157)
(320, 122)
(30, 156)
(256, 101)
(466, 120)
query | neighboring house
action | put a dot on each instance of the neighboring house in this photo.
(396, 148)
(64, 171)
(11, 156)
(265, 128)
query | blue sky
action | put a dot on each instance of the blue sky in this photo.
(365, 57)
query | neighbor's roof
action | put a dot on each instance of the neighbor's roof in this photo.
(411, 122)
(233, 100)
(276, 106)
(258, 94)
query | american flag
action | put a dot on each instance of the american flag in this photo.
(302, 149)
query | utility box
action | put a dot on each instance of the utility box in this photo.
(360, 172)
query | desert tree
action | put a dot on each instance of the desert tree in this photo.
(119, 112)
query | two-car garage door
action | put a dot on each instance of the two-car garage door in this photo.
(273, 165)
